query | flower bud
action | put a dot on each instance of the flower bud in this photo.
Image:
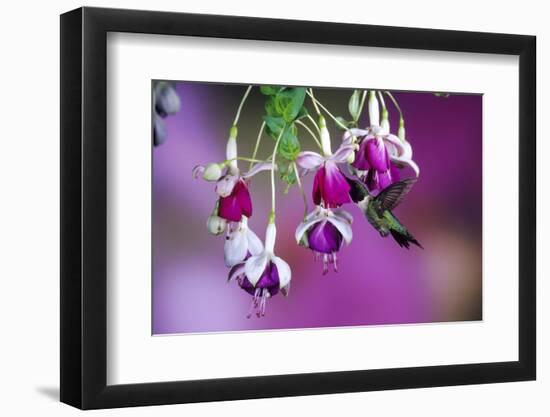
(401, 130)
(374, 111)
(215, 224)
(231, 150)
(325, 136)
(385, 123)
(351, 158)
(212, 172)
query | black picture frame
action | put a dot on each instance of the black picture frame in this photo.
(84, 207)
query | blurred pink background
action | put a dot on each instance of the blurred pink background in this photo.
(378, 282)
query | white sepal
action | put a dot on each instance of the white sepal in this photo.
(283, 269)
(255, 245)
(374, 110)
(343, 225)
(235, 247)
(225, 185)
(270, 235)
(255, 267)
(231, 154)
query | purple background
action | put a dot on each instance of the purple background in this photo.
(378, 282)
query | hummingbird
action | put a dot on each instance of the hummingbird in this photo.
(378, 210)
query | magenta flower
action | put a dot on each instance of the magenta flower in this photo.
(330, 187)
(379, 155)
(324, 231)
(232, 187)
(262, 275)
(237, 204)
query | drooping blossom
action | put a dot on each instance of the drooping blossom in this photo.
(379, 156)
(231, 186)
(240, 243)
(262, 275)
(330, 187)
(324, 231)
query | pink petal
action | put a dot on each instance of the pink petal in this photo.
(309, 160)
(335, 188)
(377, 154)
(243, 198)
(343, 153)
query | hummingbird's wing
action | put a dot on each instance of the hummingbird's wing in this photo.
(390, 197)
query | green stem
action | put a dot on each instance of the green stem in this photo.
(242, 158)
(245, 95)
(382, 102)
(314, 101)
(314, 124)
(257, 145)
(299, 181)
(310, 132)
(394, 101)
(361, 105)
(338, 122)
(273, 172)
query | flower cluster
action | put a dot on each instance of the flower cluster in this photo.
(365, 170)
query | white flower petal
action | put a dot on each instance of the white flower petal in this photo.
(261, 166)
(343, 153)
(225, 185)
(283, 269)
(343, 214)
(396, 142)
(305, 225)
(255, 245)
(343, 227)
(408, 162)
(309, 160)
(346, 139)
(235, 247)
(255, 267)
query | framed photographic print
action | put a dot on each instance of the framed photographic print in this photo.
(258, 208)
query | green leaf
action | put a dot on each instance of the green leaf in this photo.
(287, 174)
(354, 103)
(274, 125)
(295, 105)
(289, 146)
(270, 90)
(343, 121)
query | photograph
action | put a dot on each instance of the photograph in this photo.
(281, 207)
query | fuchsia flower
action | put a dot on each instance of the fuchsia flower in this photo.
(262, 275)
(330, 187)
(232, 188)
(324, 231)
(379, 155)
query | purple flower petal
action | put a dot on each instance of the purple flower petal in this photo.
(269, 280)
(377, 154)
(237, 204)
(324, 237)
(334, 188)
(377, 181)
(361, 162)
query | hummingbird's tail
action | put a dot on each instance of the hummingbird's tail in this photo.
(404, 239)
